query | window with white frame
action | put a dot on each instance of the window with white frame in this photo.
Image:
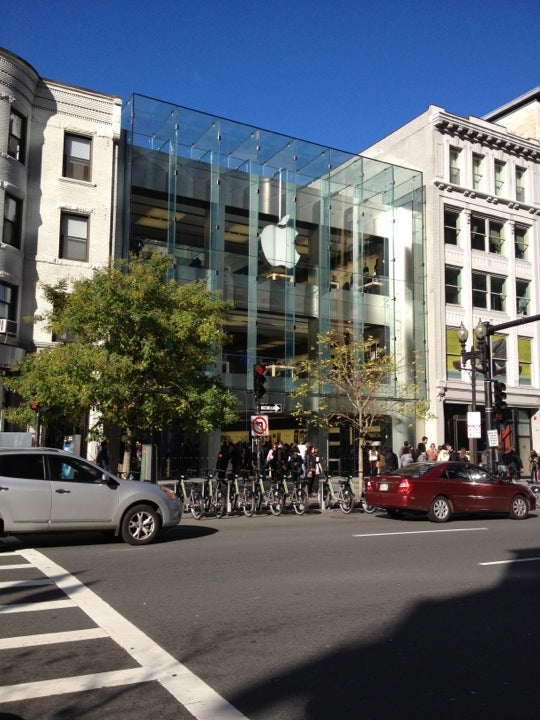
(453, 354)
(487, 234)
(77, 154)
(451, 226)
(12, 226)
(498, 356)
(455, 174)
(500, 177)
(522, 297)
(521, 242)
(452, 277)
(520, 184)
(525, 360)
(8, 301)
(478, 232)
(74, 237)
(496, 236)
(478, 171)
(17, 136)
(488, 291)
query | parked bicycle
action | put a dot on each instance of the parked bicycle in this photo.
(192, 497)
(277, 493)
(344, 496)
(299, 498)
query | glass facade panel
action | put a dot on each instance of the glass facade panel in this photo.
(525, 361)
(453, 354)
(301, 238)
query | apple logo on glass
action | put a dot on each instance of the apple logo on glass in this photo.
(275, 243)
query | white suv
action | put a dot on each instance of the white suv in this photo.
(45, 490)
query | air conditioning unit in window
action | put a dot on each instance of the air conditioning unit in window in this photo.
(3, 325)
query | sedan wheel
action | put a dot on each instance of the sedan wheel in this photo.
(140, 525)
(440, 510)
(519, 507)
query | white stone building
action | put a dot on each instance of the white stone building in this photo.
(58, 182)
(482, 225)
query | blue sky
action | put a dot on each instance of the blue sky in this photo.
(342, 73)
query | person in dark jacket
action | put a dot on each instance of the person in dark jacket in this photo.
(392, 462)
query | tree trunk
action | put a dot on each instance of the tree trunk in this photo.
(360, 466)
(128, 442)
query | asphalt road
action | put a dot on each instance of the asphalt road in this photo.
(321, 616)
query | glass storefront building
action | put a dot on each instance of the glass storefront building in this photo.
(300, 237)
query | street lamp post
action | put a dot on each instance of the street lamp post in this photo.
(470, 356)
(483, 356)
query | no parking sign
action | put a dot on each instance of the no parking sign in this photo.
(259, 425)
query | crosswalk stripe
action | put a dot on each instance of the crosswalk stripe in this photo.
(34, 607)
(51, 638)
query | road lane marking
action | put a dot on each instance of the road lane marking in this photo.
(202, 701)
(510, 562)
(422, 532)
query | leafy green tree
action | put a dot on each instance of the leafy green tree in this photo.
(354, 383)
(138, 349)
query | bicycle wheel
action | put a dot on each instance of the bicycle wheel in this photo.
(300, 501)
(276, 501)
(249, 503)
(196, 506)
(220, 505)
(346, 502)
(369, 509)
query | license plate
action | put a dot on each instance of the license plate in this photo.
(383, 487)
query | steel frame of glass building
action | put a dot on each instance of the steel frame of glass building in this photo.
(302, 238)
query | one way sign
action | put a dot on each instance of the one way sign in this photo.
(276, 407)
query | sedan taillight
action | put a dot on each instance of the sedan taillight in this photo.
(405, 487)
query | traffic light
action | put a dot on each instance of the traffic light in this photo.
(500, 406)
(34, 405)
(259, 380)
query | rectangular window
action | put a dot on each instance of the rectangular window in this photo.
(479, 290)
(522, 297)
(525, 360)
(488, 291)
(455, 175)
(453, 354)
(478, 233)
(521, 242)
(17, 136)
(12, 227)
(496, 236)
(451, 227)
(520, 184)
(500, 172)
(497, 294)
(453, 285)
(8, 302)
(487, 234)
(498, 356)
(74, 237)
(77, 157)
(478, 171)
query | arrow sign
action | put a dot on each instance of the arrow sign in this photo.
(271, 408)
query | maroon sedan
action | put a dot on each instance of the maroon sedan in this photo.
(445, 488)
